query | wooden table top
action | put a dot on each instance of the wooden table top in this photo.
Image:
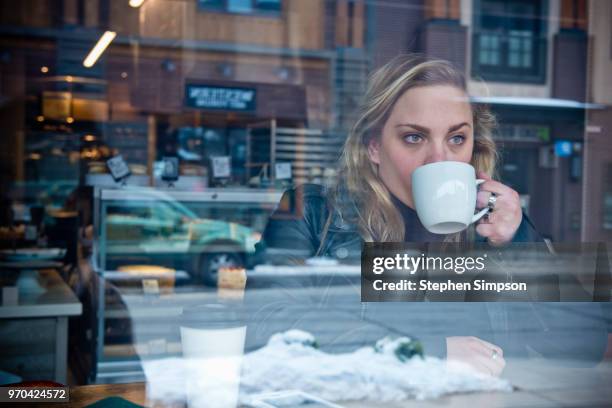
(84, 395)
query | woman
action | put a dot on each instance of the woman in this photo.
(415, 111)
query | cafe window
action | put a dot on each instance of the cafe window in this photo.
(509, 41)
(242, 6)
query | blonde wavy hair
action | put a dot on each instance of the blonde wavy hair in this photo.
(359, 195)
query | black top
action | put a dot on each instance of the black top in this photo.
(302, 230)
(414, 229)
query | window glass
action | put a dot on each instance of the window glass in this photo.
(239, 6)
(223, 265)
(509, 40)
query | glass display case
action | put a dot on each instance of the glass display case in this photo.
(157, 251)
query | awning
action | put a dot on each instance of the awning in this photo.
(536, 102)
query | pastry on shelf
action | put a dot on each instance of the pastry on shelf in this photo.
(187, 169)
(97, 167)
(164, 276)
(138, 169)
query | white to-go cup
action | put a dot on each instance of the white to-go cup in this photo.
(212, 338)
(444, 195)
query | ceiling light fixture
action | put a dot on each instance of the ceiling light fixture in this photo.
(99, 48)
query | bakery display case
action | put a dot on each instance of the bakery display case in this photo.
(157, 251)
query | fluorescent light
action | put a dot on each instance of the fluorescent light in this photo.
(99, 48)
(136, 3)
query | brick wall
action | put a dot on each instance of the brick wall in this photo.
(394, 29)
(445, 40)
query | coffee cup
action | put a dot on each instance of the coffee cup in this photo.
(444, 195)
(212, 339)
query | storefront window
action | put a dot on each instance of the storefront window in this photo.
(192, 193)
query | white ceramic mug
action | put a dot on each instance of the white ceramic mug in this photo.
(444, 195)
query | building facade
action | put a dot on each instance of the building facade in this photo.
(597, 193)
(527, 60)
(540, 65)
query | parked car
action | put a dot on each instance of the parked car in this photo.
(198, 237)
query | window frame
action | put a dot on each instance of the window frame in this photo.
(505, 73)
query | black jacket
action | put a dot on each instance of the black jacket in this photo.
(295, 232)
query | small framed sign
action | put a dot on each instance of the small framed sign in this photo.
(221, 166)
(118, 168)
(282, 170)
(170, 171)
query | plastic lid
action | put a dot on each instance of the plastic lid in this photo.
(213, 316)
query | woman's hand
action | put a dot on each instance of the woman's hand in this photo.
(479, 354)
(500, 225)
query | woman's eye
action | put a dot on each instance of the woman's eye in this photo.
(413, 138)
(457, 139)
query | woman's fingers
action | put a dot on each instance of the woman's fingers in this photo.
(485, 348)
(479, 354)
(496, 187)
(482, 199)
(489, 365)
(488, 356)
(484, 364)
(488, 350)
(508, 199)
(491, 346)
(500, 225)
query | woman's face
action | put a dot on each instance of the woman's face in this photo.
(427, 124)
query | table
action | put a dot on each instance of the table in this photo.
(88, 394)
(538, 384)
(46, 307)
(30, 264)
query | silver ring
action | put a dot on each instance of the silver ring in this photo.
(491, 202)
(494, 354)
